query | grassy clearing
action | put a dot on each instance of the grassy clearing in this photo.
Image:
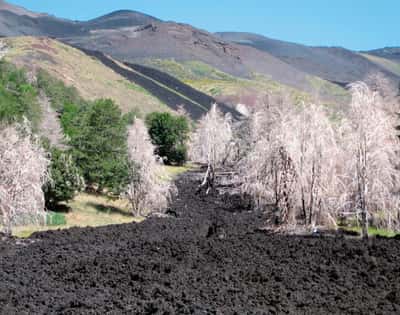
(92, 210)
(372, 231)
(85, 210)
(173, 171)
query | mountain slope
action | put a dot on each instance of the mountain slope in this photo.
(16, 21)
(96, 75)
(117, 19)
(335, 64)
(185, 43)
(392, 53)
(166, 88)
(137, 38)
(131, 36)
(389, 64)
(89, 76)
(17, 10)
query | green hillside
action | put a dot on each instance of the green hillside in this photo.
(220, 84)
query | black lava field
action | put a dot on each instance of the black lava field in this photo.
(208, 257)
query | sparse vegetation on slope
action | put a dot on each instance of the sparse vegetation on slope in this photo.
(87, 75)
(18, 98)
(390, 65)
(233, 90)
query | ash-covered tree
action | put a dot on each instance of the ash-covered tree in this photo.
(23, 172)
(169, 134)
(371, 171)
(98, 141)
(267, 171)
(66, 179)
(312, 144)
(211, 143)
(148, 189)
(292, 164)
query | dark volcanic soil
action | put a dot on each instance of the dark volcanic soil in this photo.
(209, 259)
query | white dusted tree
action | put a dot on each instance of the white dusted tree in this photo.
(149, 189)
(211, 143)
(292, 164)
(267, 171)
(371, 165)
(23, 172)
(311, 142)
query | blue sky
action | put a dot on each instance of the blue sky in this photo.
(354, 24)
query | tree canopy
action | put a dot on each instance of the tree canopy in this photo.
(169, 134)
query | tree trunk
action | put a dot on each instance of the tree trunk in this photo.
(364, 224)
(208, 181)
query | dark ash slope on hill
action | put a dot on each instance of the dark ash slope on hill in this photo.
(171, 82)
(209, 259)
(183, 42)
(334, 64)
(169, 90)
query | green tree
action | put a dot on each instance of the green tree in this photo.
(70, 119)
(99, 148)
(66, 179)
(169, 134)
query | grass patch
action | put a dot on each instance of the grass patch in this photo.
(85, 210)
(174, 171)
(92, 210)
(372, 231)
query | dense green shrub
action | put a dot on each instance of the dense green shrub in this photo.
(66, 179)
(18, 98)
(169, 134)
(98, 141)
(70, 119)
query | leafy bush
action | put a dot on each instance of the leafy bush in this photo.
(70, 119)
(66, 179)
(169, 134)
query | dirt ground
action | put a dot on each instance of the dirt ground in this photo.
(209, 257)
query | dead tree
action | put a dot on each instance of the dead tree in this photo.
(210, 144)
(267, 171)
(292, 163)
(149, 189)
(23, 172)
(372, 145)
